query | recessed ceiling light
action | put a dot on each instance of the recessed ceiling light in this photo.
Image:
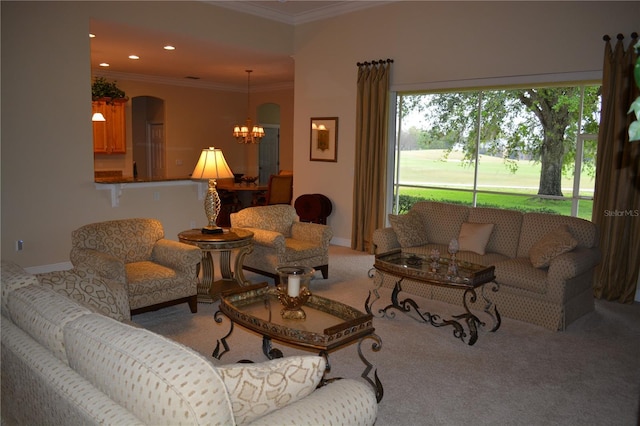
(134, 57)
(168, 47)
(91, 35)
(104, 64)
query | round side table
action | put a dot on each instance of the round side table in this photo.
(232, 239)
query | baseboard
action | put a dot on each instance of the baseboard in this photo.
(343, 242)
(42, 269)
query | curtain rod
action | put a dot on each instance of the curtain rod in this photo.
(381, 61)
(619, 36)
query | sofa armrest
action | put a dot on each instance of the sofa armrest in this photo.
(384, 240)
(312, 232)
(86, 287)
(572, 264)
(104, 264)
(176, 255)
(267, 238)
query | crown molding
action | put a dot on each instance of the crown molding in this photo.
(185, 82)
(319, 13)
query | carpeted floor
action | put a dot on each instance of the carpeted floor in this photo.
(520, 375)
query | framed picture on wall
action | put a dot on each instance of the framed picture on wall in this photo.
(324, 139)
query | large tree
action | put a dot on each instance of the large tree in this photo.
(540, 124)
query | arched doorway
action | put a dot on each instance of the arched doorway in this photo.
(148, 136)
(269, 153)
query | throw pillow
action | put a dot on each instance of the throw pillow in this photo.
(551, 245)
(475, 236)
(258, 389)
(409, 229)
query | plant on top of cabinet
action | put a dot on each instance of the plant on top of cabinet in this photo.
(102, 89)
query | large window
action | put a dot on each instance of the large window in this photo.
(530, 149)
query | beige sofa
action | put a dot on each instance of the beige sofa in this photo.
(544, 263)
(69, 362)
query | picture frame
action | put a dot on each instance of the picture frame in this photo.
(323, 145)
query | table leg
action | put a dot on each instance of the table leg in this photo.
(217, 352)
(490, 307)
(374, 294)
(204, 284)
(238, 271)
(270, 352)
(225, 265)
(375, 382)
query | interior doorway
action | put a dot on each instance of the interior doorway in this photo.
(269, 151)
(149, 142)
(269, 156)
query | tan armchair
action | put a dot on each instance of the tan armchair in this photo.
(156, 272)
(281, 239)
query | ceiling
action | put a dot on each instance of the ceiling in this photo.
(191, 63)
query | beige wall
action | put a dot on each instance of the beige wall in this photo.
(47, 167)
(437, 44)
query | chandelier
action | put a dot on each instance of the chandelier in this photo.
(248, 133)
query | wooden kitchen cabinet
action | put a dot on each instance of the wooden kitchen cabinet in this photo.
(109, 137)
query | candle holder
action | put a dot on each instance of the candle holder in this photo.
(293, 292)
(454, 247)
(293, 305)
(435, 260)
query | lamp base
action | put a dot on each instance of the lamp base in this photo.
(212, 230)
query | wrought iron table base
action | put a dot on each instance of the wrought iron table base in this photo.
(270, 352)
(408, 305)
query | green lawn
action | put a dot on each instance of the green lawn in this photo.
(428, 167)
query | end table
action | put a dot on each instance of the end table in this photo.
(231, 240)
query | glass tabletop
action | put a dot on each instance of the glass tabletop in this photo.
(328, 323)
(423, 268)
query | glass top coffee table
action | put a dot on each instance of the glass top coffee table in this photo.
(329, 325)
(468, 278)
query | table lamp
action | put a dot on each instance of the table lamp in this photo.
(211, 166)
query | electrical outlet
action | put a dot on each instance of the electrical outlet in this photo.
(192, 224)
(19, 245)
(156, 196)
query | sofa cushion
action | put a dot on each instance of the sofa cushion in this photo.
(474, 236)
(442, 220)
(299, 249)
(258, 389)
(42, 313)
(519, 273)
(535, 225)
(409, 229)
(506, 230)
(13, 276)
(160, 381)
(551, 245)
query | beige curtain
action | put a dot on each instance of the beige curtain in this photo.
(372, 114)
(616, 203)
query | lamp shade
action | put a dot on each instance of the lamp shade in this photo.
(211, 165)
(97, 116)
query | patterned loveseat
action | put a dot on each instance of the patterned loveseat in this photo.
(544, 263)
(64, 362)
(156, 271)
(281, 239)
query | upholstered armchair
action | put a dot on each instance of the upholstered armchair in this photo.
(156, 272)
(281, 239)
